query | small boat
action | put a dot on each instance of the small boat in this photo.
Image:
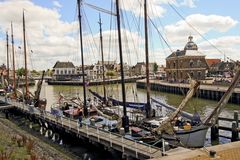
(70, 109)
(183, 133)
(188, 137)
(143, 136)
(102, 122)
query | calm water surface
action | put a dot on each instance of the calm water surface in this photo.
(203, 106)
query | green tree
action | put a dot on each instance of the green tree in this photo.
(49, 72)
(155, 68)
(20, 72)
(35, 73)
(111, 73)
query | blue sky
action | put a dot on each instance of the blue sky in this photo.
(52, 29)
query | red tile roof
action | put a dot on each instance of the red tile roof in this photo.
(210, 62)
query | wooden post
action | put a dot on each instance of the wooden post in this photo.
(235, 135)
(6, 114)
(215, 132)
(235, 117)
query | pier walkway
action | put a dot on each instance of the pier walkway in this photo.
(110, 140)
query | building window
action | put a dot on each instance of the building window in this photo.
(199, 74)
(199, 63)
(61, 72)
(191, 74)
(73, 71)
(69, 72)
(174, 76)
(181, 75)
(181, 63)
(174, 64)
(191, 63)
(65, 71)
(57, 71)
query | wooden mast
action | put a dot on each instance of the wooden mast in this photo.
(103, 70)
(7, 57)
(81, 43)
(125, 120)
(13, 59)
(25, 58)
(148, 107)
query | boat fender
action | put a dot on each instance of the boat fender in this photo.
(65, 104)
(187, 126)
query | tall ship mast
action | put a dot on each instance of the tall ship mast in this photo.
(7, 57)
(81, 51)
(125, 120)
(103, 70)
(148, 106)
(25, 59)
(13, 60)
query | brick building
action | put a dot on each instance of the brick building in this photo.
(187, 61)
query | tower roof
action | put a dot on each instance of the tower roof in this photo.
(190, 44)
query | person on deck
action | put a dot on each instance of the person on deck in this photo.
(196, 119)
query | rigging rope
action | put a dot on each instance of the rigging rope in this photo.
(100, 9)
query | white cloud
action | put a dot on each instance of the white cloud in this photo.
(228, 45)
(47, 35)
(188, 3)
(132, 47)
(57, 4)
(177, 32)
(155, 8)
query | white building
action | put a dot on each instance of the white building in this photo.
(64, 71)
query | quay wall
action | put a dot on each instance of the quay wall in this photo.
(92, 83)
(212, 92)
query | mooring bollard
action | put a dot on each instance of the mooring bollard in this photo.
(212, 153)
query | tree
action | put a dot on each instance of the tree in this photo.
(35, 73)
(20, 72)
(155, 67)
(49, 72)
(111, 73)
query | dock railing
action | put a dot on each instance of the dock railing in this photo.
(89, 131)
(234, 129)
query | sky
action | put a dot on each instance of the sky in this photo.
(53, 32)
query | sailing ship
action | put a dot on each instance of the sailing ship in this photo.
(12, 91)
(164, 127)
(29, 98)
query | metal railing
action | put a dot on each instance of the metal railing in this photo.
(90, 130)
